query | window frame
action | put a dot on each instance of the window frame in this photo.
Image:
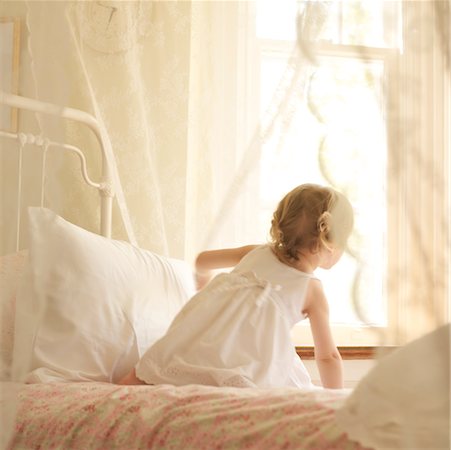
(347, 336)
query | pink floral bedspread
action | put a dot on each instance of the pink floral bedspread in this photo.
(86, 416)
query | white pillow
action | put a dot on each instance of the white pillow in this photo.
(88, 306)
(403, 402)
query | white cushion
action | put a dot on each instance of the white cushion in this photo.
(89, 306)
(403, 402)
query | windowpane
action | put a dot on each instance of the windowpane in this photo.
(352, 22)
(337, 138)
(336, 135)
(276, 20)
(369, 23)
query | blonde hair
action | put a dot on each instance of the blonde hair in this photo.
(310, 217)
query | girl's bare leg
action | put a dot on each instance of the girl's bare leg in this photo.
(131, 378)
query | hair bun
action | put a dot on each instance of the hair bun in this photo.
(323, 223)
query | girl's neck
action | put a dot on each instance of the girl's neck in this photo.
(307, 262)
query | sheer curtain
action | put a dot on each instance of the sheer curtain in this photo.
(166, 80)
(158, 74)
(175, 84)
(419, 172)
(134, 77)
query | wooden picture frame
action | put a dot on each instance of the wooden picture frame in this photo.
(9, 68)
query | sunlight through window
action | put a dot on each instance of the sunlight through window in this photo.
(337, 136)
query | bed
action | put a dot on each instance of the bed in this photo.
(79, 308)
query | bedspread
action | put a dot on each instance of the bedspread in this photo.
(105, 416)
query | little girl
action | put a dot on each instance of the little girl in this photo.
(236, 330)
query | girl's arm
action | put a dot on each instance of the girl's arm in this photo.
(210, 260)
(327, 357)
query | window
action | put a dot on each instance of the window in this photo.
(335, 133)
(369, 113)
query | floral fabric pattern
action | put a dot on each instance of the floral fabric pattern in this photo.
(106, 416)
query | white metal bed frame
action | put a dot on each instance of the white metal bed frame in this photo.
(105, 186)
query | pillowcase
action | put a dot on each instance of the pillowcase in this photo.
(11, 268)
(403, 402)
(89, 306)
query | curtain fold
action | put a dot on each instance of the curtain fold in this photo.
(419, 174)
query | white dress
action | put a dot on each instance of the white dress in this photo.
(235, 331)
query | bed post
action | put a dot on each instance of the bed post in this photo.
(106, 190)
